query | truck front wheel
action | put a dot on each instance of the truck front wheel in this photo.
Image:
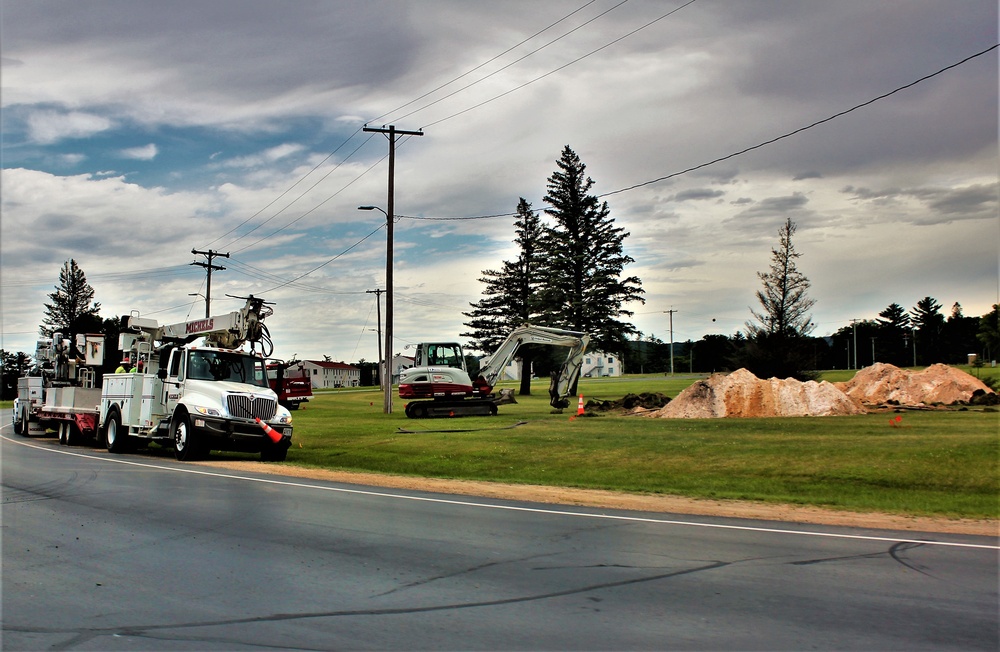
(187, 446)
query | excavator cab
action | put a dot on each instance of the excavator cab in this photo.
(440, 354)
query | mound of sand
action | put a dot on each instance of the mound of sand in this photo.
(884, 383)
(741, 394)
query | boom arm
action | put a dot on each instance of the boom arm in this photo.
(230, 331)
(493, 366)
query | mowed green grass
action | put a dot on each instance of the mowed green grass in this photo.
(927, 463)
(938, 463)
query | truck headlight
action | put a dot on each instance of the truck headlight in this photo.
(211, 412)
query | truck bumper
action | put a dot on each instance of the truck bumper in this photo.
(243, 436)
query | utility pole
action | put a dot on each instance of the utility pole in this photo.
(854, 324)
(209, 266)
(378, 311)
(392, 134)
(671, 313)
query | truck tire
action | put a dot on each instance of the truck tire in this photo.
(273, 453)
(25, 424)
(67, 433)
(17, 424)
(115, 436)
(187, 446)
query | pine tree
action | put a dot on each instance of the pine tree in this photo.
(929, 322)
(71, 311)
(777, 346)
(510, 294)
(893, 334)
(783, 299)
(584, 261)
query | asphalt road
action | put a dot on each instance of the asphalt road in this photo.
(140, 552)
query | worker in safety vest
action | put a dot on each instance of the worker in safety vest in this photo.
(124, 367)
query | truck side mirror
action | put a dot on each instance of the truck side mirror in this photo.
(161, 374)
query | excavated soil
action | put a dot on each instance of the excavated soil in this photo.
(741, 394)
(938, 384)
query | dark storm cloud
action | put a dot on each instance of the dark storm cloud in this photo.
(698, 193)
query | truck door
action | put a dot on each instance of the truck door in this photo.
(173, 383)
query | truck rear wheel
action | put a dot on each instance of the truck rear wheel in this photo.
(115, 436)
(187, 446)
(25, 423)
(67, 433)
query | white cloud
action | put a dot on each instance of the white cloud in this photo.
(143, 153)
(46, 127)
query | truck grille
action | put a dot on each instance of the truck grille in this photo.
(251, 407)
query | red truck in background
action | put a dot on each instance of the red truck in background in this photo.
(290, 381)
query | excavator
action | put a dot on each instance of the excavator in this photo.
(439, 385)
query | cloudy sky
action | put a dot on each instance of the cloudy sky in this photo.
(136, 131)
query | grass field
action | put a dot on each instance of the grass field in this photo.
(942, 463)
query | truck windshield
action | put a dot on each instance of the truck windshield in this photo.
(227, 365)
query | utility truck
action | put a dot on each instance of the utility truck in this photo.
(290, 381)
(193, 398)
(439, 385)
(59, 391)
(197, 398)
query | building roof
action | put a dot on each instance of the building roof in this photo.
(332, 365)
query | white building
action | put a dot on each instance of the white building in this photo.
(325, 374)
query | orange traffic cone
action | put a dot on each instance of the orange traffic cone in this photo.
(269, 431)
(579, 407)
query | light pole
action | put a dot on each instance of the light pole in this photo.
(199, 294)
(387, 384)
(381, 370)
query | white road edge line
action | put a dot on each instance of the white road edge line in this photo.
(535, 510)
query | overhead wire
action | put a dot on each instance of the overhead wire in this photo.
(734, 154)
(318, 165)
(515, 62)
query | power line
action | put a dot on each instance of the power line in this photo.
(349, 138)
(563, 67)
(513, 63)
(487, 62)
(742, 151)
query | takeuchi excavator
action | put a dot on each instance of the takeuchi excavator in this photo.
(439, 385)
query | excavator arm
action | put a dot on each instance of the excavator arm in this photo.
(562, 379)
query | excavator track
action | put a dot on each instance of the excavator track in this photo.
(446, 408)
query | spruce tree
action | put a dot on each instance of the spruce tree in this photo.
(584, 261)
(776, 344)
(73, 309)
(510, 294)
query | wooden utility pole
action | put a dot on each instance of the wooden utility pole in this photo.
(671, 313)
(378, 312)
(209, 266)
(392, 134)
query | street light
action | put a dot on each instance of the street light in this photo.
(381, 364)
(199, 294)
(387, 384)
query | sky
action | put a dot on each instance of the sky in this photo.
(136, 131)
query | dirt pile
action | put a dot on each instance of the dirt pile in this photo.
(887, 384)
(741, 394)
